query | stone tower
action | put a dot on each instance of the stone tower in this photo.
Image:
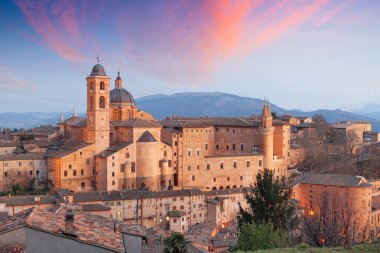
(266, 131)
(98, 126)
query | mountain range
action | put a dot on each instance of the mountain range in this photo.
(195, 104)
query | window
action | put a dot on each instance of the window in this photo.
(122, 167)
(19, 173)
(74, 172)
(116, 115)
(188, 167)
(113, 164)
(260, 162)
(83, 185)
(221, 165)
(233, 146)
(193, 178)
(113, 174)
(206, 146)
(241, 177)
(126, 155)
(37, 172)
(188, 153)
(6, 174)
(65, 173)
(228, 178)
(227, 146)
(217, 146)
(69, 166)
(19, 163)
(214, 179)
(102, 102)
(248, 164)
(198, 152)
(208, 166)
(88, 161)
(133, 167)
(82, 172)
(102, 86)
(241, 147)
(91, 86)
(113, 182)
(31, 172)
(235, 164)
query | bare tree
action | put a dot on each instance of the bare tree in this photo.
(331, 222)
(352, 141)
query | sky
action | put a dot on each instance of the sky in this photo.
(301, 54)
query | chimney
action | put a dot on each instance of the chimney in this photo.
(69, 222)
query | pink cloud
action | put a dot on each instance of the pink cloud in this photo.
(326, 16)
(56, 24)
(10, 81)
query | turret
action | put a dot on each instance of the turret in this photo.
(266, 131)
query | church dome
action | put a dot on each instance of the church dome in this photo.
(120, 95)
(98, 70)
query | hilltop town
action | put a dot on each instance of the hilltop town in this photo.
(119, 175)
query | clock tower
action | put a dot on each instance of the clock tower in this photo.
(98, 122)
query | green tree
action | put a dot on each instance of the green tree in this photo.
(259, 237)
(16, 188)
(268, 202)
(176, 243)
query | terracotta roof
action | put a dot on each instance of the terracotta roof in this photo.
(23, 156)
(28, 200)
(332, 180)
(115, 148)
(95, 207)
(132, 194)
(147, 137)
(13, 248)
(67, 149)
(135, 123)
(90, 229)
(205, 122)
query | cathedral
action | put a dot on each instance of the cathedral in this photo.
(119, 147)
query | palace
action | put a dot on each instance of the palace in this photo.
(119, 147)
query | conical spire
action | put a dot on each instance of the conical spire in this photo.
(266, 109)
(61, 119)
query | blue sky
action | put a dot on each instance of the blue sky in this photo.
(301, 54)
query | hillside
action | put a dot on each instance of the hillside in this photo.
(190, 104)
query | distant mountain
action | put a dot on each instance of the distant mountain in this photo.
(190, 104)
(227, 105)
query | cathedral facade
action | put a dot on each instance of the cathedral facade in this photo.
(118, 146)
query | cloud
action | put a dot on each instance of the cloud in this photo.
(326, 16)
(56, 23)
(182, 42)
(11, 82)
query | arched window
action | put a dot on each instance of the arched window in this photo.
(116, 115)
(92, 86)
(102, 86)
(165, 153)
(102, 102)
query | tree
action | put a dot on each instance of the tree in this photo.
(259, 237)
(16, 189)
(352, 141)
(269, 202)
(332, 222)
(176, 243)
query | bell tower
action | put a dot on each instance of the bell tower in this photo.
(98, 121)
(266, 130)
